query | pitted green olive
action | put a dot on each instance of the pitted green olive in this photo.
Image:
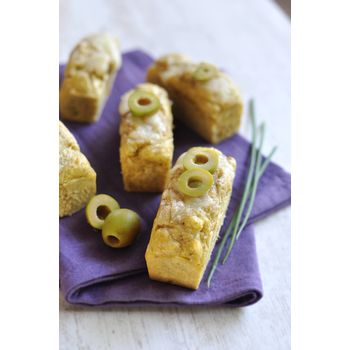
(121, 228)
(195, 182)
(99, 208)
(143, 103)
(199, 157)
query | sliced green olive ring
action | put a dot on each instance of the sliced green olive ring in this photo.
(143, 103)
(204, 72)
(99, 208)
(198, 157)
(195, 182)
(121, 228)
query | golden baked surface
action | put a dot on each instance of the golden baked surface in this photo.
(212, 108)
(185, 229)
(77, 179)
(88, 77)
(146, 146)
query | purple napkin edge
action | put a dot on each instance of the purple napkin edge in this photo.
(241, 299)
(75, 290)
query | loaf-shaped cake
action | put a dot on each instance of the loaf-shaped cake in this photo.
(146, 138)
(204, 98)
(77, 178)
(191, 212)
(88, 78)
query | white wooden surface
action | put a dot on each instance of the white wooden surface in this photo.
(251, 40)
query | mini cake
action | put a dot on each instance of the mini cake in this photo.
(204, 98)
(146, 138)
(77, 178)
(191, 212)
(88, 78)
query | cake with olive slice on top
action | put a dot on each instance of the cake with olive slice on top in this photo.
(191, 212)
(146, 138)
(204, 98)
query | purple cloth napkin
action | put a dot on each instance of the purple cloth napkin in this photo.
(91, 273)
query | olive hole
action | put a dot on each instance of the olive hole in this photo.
(194, 183)
(102, 212)
(201, 159)
(112, 240)
(144, 101)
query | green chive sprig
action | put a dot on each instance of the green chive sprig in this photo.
(262, 169)
(255, 172)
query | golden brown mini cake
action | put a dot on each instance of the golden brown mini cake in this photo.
(204, 98)
(146, 140)
(77, 178)
(186, 227)
(88, 78)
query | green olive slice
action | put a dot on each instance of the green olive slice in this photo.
(99, 207)
(143, 103)
(199, 157)
(121, 228)
(204, 72)
(195, 182)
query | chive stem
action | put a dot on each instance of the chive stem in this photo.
(251, 169)
(221, 247)
(267, 161)
(238, 213)
(253, 193)
(257, 168)
(252, 188)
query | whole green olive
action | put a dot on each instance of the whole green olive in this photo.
(121, 228)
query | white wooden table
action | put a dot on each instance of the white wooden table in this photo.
(251, 40)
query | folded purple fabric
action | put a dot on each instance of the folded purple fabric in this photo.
(91, 273)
